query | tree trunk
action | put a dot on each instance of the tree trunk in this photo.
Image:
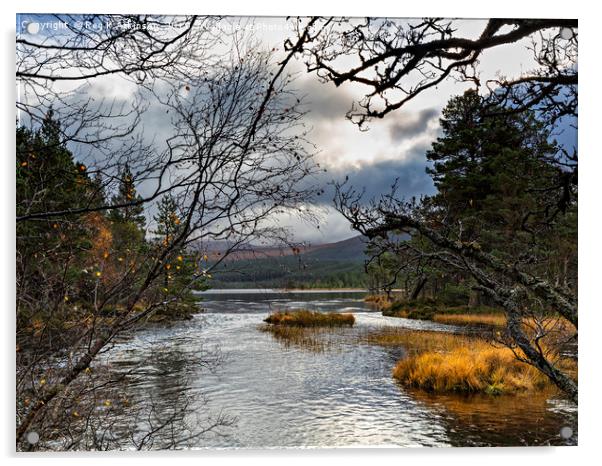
(418, 288)
(474, 299)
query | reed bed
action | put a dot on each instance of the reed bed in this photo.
(305, 318)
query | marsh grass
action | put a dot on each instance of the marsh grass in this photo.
(490, 320)
(415, 341)
(423, 313)
(442, 362)
(478, 368)
(457, 315)
(305, 318)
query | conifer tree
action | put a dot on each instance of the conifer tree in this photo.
(127, 196)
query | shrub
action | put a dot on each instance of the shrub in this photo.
(380, 301)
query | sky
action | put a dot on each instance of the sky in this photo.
(392, 149)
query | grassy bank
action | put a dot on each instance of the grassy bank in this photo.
(305, 318)
(476, 368)
(447, 363)
(491, 320)
(438, 312)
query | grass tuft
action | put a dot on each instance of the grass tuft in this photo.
(440, 362)
(479, 368)
(305, 318)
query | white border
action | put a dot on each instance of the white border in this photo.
(590, 227)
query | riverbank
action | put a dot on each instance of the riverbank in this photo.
(439, 312)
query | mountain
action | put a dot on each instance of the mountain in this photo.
(349, 249)
(330, 265)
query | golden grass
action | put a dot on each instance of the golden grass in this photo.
(442, 362)
(305, 318)
(416, 340)
(493, 320)
(478, 368)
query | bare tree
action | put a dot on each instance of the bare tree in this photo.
(397, 60)
(237, 156)
(69, 68)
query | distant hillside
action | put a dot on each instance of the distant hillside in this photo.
(330, 265)
(351, 249)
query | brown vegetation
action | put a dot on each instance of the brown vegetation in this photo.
(305, 318)
(444, 362)
(493, 320)
(379, 301)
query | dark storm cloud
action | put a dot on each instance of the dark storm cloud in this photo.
(408, 125)
(376, 178)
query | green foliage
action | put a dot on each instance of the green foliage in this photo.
(489, 172)
(290, 272)
(181, 270)
(50, 251)
(410, 310)
(131, 209)
(73, 266)
(498, 185)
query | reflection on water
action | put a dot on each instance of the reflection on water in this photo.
(483, 420)
(283, 395)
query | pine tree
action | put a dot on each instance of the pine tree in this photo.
(495, 177)
(127, 196)
(486, 169)
(181, 272)
(128, 221)
(52, 252)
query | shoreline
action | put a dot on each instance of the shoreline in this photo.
(223, 291)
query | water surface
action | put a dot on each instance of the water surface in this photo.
(338, 394)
